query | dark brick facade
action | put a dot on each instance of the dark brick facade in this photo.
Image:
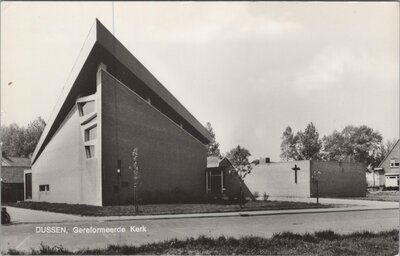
(172, 162)
(338, 179)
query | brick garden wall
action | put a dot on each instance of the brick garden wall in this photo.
(339, 179)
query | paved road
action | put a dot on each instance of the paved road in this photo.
(23, 237)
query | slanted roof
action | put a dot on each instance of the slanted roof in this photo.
(384, 159)
(102, 47)
(16, 161)
(215, 162)
(12, 174)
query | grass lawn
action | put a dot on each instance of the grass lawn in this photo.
(390, 196)
(156, 209)
(319, 243)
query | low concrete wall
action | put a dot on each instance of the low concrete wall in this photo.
(278, 179)
(339, 179)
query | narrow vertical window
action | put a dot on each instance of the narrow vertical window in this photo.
(91, 133)
(89, 151)
(86, 108)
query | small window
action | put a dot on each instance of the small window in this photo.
(91, 133)
(394, 163)
(86, 108)
(125, 184)
(44, 187)
(89, 151)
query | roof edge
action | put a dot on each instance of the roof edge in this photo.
(384, 159)
(120, 52)
(98, 33)
(87, 46)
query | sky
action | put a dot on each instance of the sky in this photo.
(249, 68)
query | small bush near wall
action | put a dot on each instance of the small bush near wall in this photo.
(390, 188)
(256, 195)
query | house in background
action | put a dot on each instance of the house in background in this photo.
(222, 181)
(375, 177)
(297, 179)
(12, 178)
(390, 166)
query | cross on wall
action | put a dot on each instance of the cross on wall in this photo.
(295, 169)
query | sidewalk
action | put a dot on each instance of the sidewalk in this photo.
(340, 201)
(20, 215)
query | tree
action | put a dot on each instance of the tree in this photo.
(385, 149)
(20, 141)
(136, 177)
(288, 145)
(302, 146)
(308, 143)
(32, 135)
(361, 144)
(239, 157)
(213, 146)
(334, 147)
(13, 140)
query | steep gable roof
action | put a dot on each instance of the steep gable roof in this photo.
(102, 46)
(390, 152)
(15, 161)
(12, 174)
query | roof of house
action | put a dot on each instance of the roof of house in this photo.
(215, 162)
(12, 174)
(101, 46)
(15, 161)
(384, 159)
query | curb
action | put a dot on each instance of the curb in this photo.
(238, 214)
(211, 215)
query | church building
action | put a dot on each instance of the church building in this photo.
(110, 105)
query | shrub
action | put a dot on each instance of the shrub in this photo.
(327, 235)
(256, 195)
(5, 217)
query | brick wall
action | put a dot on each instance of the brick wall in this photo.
(232, 185)
(172, 162)
(339, 179)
